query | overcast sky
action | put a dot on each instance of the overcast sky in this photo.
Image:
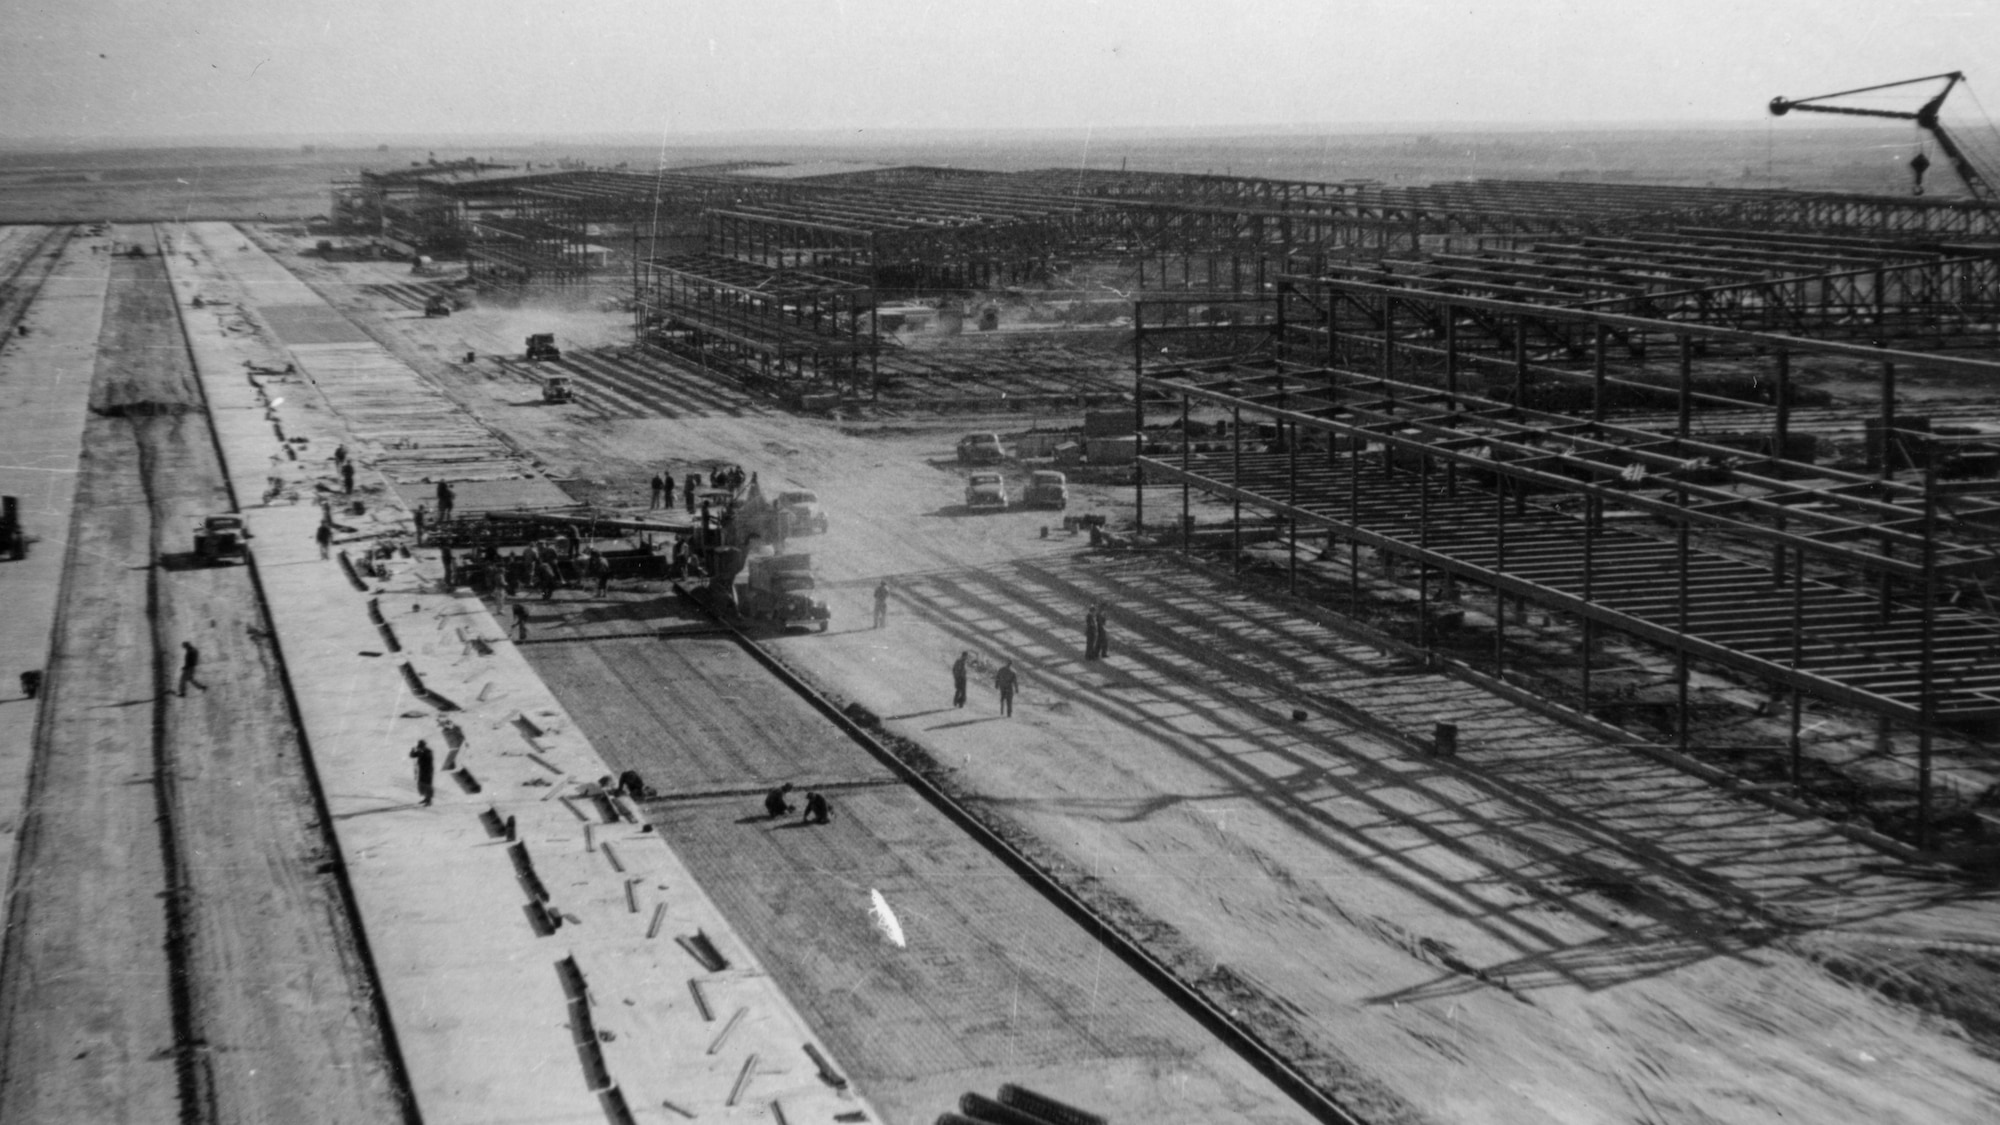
(551, 69)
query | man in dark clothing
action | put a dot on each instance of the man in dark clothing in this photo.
(775, 804)
(325, 537)
(425, 764)
(667, 491)
(520, 621)
(1103, 635)
(1005, 680)
(630, 784)
(347, 478)
(816, 810)
(599, 569)
(446, 499)
(881, 603)
(1090, 633)
(190, 660)
(693, 485)
(959, 668)
(659, 486)
(340, 455)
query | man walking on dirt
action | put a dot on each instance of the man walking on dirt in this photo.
(881, 603)
(425, 764)
(1103, 635)
(659, 486)
(959, 668)
(190, 660)
(325, 537)
(1005, 681)
(1090, 632)
(347, 478)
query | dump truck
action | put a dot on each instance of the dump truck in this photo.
(542, 345)
(438, 305)
(779, 589)
(220, 538)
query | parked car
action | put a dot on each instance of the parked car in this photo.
(981, 449)
(986, 490)
(1047, 489)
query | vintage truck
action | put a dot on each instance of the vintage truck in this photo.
(801, 512)
(220, 538)
(779, 590)
(558, 388)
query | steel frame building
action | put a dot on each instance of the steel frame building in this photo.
(1393, 433)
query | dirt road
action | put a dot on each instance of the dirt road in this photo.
(177, 948)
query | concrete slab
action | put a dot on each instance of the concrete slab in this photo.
(44, 401)
(485, 1026)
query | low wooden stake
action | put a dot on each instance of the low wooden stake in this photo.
(742, 1080)
(659, 915)
(700, 997)
(723, 1035)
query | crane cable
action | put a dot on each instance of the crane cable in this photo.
(1980, 159)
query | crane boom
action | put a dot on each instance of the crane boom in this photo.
(1926, 118)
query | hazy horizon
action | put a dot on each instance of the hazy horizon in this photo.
(178, 71)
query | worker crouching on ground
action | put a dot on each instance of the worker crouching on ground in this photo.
(775, 804)
(817, 811)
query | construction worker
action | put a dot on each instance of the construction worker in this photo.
(667, 491)
(324, 536)
(881, 603)
(1103, 635)
(687, 493)
(425, 764)
(659, 486)
(190, 660)
(959, 668)
(520, 621)
(599, 569)
(347, 478)
(1090, 632)
(775, 804)
(816, 809)
(1006, 681)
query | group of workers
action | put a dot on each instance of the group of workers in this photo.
(777, 803)
(728, 477)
